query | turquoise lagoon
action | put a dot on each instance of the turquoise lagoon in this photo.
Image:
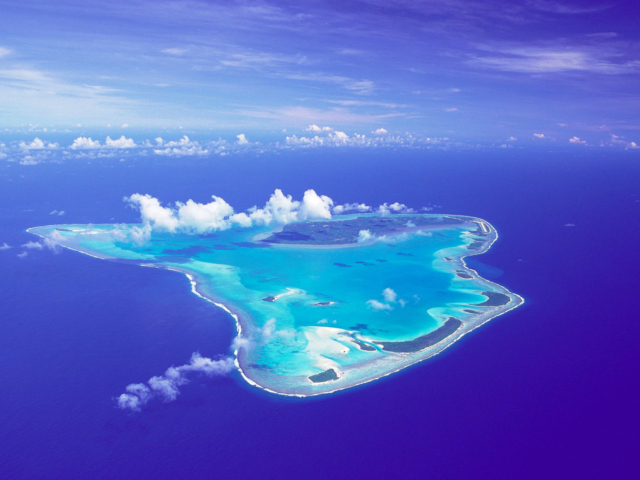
(324, 305)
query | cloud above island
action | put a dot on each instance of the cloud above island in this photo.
(197, 218)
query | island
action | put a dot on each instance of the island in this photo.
(324, 305)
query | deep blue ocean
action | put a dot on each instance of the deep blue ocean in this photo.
(549, 390)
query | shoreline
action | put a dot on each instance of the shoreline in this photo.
(438, 347)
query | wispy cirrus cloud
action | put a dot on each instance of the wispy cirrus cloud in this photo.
(567, 8)
(555, 59)
(359, 87)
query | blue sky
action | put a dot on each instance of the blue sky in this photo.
(473, 71)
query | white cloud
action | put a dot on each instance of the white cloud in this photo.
(37, 144)
(563, 8)
(396, 207)
(153, 213)
(389, 295)
(22, 254)
(181, 148)
(314, 206)
(174, 51)
(341, 139)
(348, 207)
(57, 212)
(316, 128)
(4, 246)
(512, 139)
(29, 160)
(33, 245)
(379, 306)
(268, 329)
(84, 143)
(365, 236)
(242, 140)
(451, 109)
(577, 141)
(538, 135)
(4, 52)
(569, 224)
(557, 59)
(283, 209)
(166, 386)
(125, 125)
(240, 342)
(194, 217)
(633, 145)
(380, 131)
(51, 242)
(121, 142)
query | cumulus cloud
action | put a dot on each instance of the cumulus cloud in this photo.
(121, 142)
(194, 217)
(365, 236)
(38, 144)
(242, 140)
(29, 160)
(380, 131)
(577, 141)
(633, 145)
(281, 209)
(82, 143)
(4, 246)
(379, 306)
(240, 342)
(350, 207)
(538, 135)
(22, 254)
(389, 295)
(314, 206)
(316, 128)
(386, 209)
(341, 139)
(50, 242)
(57, 212)
(165, 387)
(332, 140)
(33, 245)
(86, 143)
(182, 148)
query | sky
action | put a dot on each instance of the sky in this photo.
(455, 72)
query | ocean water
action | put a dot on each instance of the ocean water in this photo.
(547, 390)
